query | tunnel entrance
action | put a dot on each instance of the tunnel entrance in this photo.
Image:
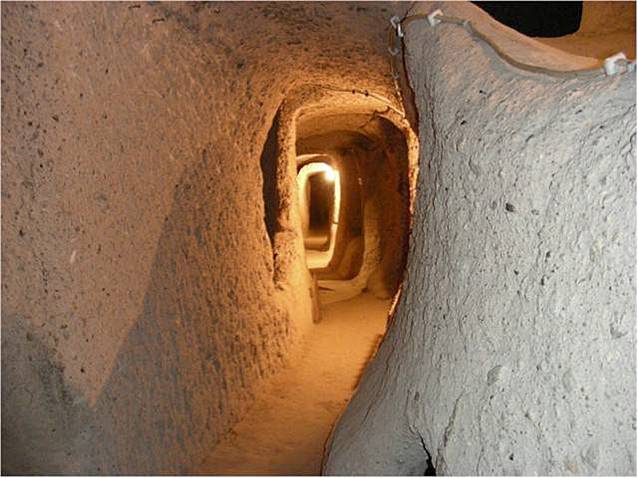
(321, 190)
(366, 242)
(339, 171)
(319, 194)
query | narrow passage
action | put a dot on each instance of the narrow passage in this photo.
(285, 430)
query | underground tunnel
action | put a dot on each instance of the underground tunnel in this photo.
(303, 238)
(319, 203)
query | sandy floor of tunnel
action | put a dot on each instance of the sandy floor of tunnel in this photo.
(285, 430)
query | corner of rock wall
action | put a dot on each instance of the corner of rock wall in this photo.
(138, 308)
(512, 348)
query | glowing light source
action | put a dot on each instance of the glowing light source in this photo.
(329, 174)
(319, 259)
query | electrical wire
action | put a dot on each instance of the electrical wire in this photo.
(467, 25)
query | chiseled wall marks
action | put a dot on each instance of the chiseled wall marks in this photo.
(138, 305)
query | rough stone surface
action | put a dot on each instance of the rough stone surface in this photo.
(148, 287)
(512, 347)
(140, 306)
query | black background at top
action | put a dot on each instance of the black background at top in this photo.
(537, 19)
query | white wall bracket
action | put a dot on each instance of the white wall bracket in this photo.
(432, 20)
(613, 65)
(396, 24)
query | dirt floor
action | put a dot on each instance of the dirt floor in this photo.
(285, 430)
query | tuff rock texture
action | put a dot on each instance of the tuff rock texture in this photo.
(141, 305)
(153, 269)
(512, 347)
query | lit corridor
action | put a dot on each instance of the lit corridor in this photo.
(285, 429)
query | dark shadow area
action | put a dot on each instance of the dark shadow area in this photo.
(268, 164)
(430, 470)
(537, 19)
(31, 374)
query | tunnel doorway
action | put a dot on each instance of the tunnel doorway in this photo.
(365, 246)
(319, 192)
(339, 175)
